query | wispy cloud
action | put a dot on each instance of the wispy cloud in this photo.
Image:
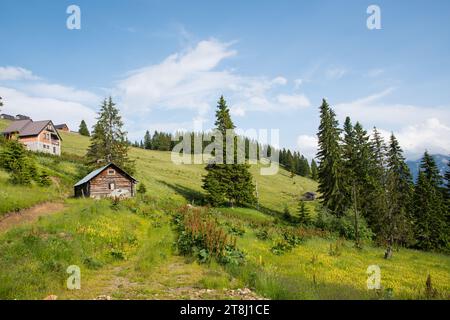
(16, 73)
(335, 73)
(417, 127)
(192, 80)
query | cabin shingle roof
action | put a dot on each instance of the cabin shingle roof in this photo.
(96, 172)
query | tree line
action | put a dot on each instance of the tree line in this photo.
(294, 162)
(365, 177)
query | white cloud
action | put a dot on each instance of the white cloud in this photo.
(184, 80)
(191, 80)
(16, 73)
(418, 128)
(298, 83)
(307, 145)
(280, 81)
(60, 92)
(431, 135)
(295, 101)
(335, 73)
(370, 111)
(44, 108)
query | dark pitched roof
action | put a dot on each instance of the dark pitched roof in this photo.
(16, 126)
(28, 127)
(61, 126)
(96, 172)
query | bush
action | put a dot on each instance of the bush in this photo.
(44, 179)
(343, 226)
(200, 236)
(142, 189)
(263, 234)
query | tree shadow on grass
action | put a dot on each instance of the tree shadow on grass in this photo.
(189, 194)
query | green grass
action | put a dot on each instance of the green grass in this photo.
(128, 253)
(290, 276)
(184, 182)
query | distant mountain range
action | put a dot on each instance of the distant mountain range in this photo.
(441, 161)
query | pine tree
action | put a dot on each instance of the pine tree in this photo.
(357, 181)
(331, 184)
(108, 140)
(147, 140)
(227, 183)
(428, 206)
(142, 189)
(349, 161)
(83, 129)
(376, 203)
(431, 170)
(396, 224)
(314, 170)
(14, 159)
(304, 217)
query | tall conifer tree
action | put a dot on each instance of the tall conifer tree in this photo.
(227, 183)
(396, 223)
(108, 140)
(331, 185)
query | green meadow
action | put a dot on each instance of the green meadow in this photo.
(126, 250)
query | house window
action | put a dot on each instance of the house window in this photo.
(111, 186)
(54, 150)
(111, 172)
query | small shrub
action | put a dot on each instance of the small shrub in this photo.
(336, 248)
(92, 263)
(200, 235)
(281, 247)
(142, 189)
(263, 234)
(343, 226)
(44, 179)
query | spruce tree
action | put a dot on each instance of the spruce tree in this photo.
(14, 159)
(147, 140)
(396, 223)
(108, 140)
(428, 207)
(227, 183)
(83, 129)
(331, 185)
(376, 202)
(357, 181)
(304, 217)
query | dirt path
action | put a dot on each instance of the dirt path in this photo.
(174, 279)
(32, 214)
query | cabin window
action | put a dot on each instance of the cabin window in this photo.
(111, 186)
(111, 172)
(54, 150)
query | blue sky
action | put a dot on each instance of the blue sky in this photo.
(167, 62)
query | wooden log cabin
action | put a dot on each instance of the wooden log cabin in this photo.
(108, 181)
(40, 136)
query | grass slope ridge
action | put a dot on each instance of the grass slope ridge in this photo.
(126, 251)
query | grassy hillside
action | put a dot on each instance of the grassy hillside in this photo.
(16, 197)
(164, 178)
(126, 250)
